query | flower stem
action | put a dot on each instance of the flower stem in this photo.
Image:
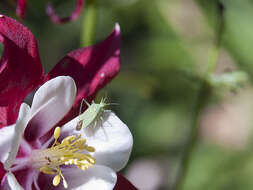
(88, 25)
(202, 97)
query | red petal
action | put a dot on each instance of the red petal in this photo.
(20, 66)
(91, 68)
(123, 183)
(2, 172)
(4, 116)
(75, 14)
(21, 8)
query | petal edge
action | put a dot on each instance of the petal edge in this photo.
(50, 104)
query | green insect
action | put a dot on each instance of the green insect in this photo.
(92, 114)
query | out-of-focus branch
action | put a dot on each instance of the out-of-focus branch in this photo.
(89, 23)
(202, 97)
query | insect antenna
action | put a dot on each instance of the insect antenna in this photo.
(116, 104)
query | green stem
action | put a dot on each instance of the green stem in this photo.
(88, 25)
(193, 136)
(212, 60)
(202, 97)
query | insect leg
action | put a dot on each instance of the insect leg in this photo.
(112, 104)
(104, 99)
(87, 103)
(80, 122)
(109, 123)
(102, 119)
(95, 124)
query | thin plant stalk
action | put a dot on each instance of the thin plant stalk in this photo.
(202, 97)
(89, 24)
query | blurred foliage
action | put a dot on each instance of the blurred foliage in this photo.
(216, 168)
(164, 51)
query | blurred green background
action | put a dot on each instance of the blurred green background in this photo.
(164, 55)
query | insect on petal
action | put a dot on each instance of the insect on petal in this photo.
(103, 138)
(91, 68)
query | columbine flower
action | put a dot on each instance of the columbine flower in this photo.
(21, 11)
(21, 72)
(81, 161)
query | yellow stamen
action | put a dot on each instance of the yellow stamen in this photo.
(47, 170)
(56, 180)
(69, 152)
(57, 133)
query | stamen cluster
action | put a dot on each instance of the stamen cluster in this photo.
(69, 152)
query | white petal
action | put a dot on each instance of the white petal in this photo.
(12, 183)
(97, 177)
(6, 135)
(51, 102)
(112, 140)
(15, 132)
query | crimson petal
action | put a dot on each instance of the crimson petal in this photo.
(75, 14)
(91, 68)
(123, 183)
(3, 116)
(20, 67)
(21, 8)
(2, 172)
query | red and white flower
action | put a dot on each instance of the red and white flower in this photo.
(26, 132)
(86, 159)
